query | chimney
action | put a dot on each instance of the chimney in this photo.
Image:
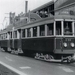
(26, 6)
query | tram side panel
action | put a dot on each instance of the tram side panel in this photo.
(11, 44)
(4, 44)
(15, 44)
(8, 45)
(0, 43)
(38, 45)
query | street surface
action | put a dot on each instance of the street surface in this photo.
(29, 66)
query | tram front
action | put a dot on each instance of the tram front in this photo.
(65, 38)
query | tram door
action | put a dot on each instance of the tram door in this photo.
(58, 44)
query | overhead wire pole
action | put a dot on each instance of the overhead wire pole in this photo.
(6, 22)
(8, 17)
(3, 22)
(2, 26)
(12, 21)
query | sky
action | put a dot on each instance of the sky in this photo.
(17, 6)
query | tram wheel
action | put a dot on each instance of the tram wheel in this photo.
(69, 59)
(37, 55)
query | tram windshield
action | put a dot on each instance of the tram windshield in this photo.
(58, 28)
(68, 28)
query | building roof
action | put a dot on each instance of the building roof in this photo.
(67, 3)
(43, 6)
(31, 16)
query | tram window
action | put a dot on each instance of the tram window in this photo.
(0, 36)
(6, 35)
(42, 30)
(58, 27)
(29, 32)
(74, 28)
(3, 36)
(23, 32)
(50, 29)
(10, 34)
(34, 31)
(68, 28)
(15, 34)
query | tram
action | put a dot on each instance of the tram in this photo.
(41, 33)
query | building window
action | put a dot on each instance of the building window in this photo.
(42, 30)
(34, 31)
(50, 29)
(23, 32)
(29, 32)
(58, 27)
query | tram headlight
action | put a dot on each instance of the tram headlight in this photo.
(65, 44)
(72, 44)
